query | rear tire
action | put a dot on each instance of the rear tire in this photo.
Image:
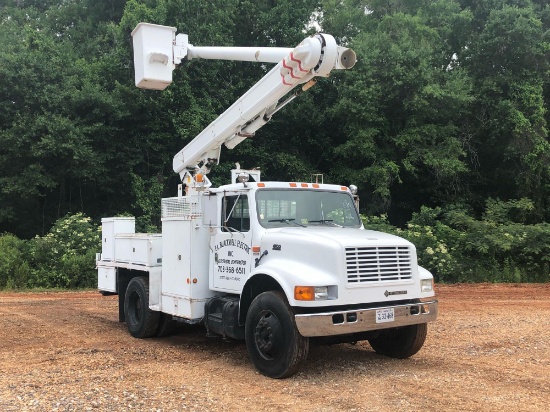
(401, 342)
(274, 344)
(141, 321)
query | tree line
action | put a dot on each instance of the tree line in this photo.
(446, 109)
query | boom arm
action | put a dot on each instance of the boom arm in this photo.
(155, 59)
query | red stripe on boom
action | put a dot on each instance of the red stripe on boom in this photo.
(299, 63)
(285, 83)
(290, 69)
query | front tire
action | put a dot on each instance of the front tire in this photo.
(141, 321)
(274, 344)
(401, 342)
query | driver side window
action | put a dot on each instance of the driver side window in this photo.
(235, 213)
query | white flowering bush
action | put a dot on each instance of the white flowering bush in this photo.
(65, 256)
(74, 235)
(432, 251)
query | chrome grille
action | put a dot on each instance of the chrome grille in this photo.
(376, 264)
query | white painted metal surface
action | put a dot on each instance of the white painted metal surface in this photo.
(109, 228)
(153, 55)
(139, 248)
(185, 267)
(106, 279)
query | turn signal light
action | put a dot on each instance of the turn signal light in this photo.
(304, 293)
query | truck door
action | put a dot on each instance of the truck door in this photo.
(230, 247)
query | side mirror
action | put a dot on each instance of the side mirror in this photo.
(210, 214)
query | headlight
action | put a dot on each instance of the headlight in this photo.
(426, 285)
(321, 293)
(311, 293)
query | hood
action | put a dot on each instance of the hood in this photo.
(345, 237)
(325, 255)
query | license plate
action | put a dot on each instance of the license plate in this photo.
(385, 315)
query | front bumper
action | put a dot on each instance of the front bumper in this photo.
(363, 320)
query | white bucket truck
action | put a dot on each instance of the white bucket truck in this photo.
(277, 264)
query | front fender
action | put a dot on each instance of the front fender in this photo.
(284, 275)
(289, 273)
(424, 273)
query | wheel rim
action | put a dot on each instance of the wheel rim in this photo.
(268, 336)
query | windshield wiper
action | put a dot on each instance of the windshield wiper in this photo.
(287, 221)
(325, 221)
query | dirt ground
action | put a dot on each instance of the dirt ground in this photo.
(489, 350)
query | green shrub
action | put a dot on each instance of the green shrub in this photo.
(14, 268)
(498, 247)
(65, 257)
(506, 250)
(71, 272)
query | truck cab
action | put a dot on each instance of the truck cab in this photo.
(307, 240)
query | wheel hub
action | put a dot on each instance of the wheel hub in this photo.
(267, 335)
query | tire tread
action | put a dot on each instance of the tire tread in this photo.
(150, 319)
(400, 343)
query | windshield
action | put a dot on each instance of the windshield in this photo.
(296, 207)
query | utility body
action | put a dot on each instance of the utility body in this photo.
(280, 265)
